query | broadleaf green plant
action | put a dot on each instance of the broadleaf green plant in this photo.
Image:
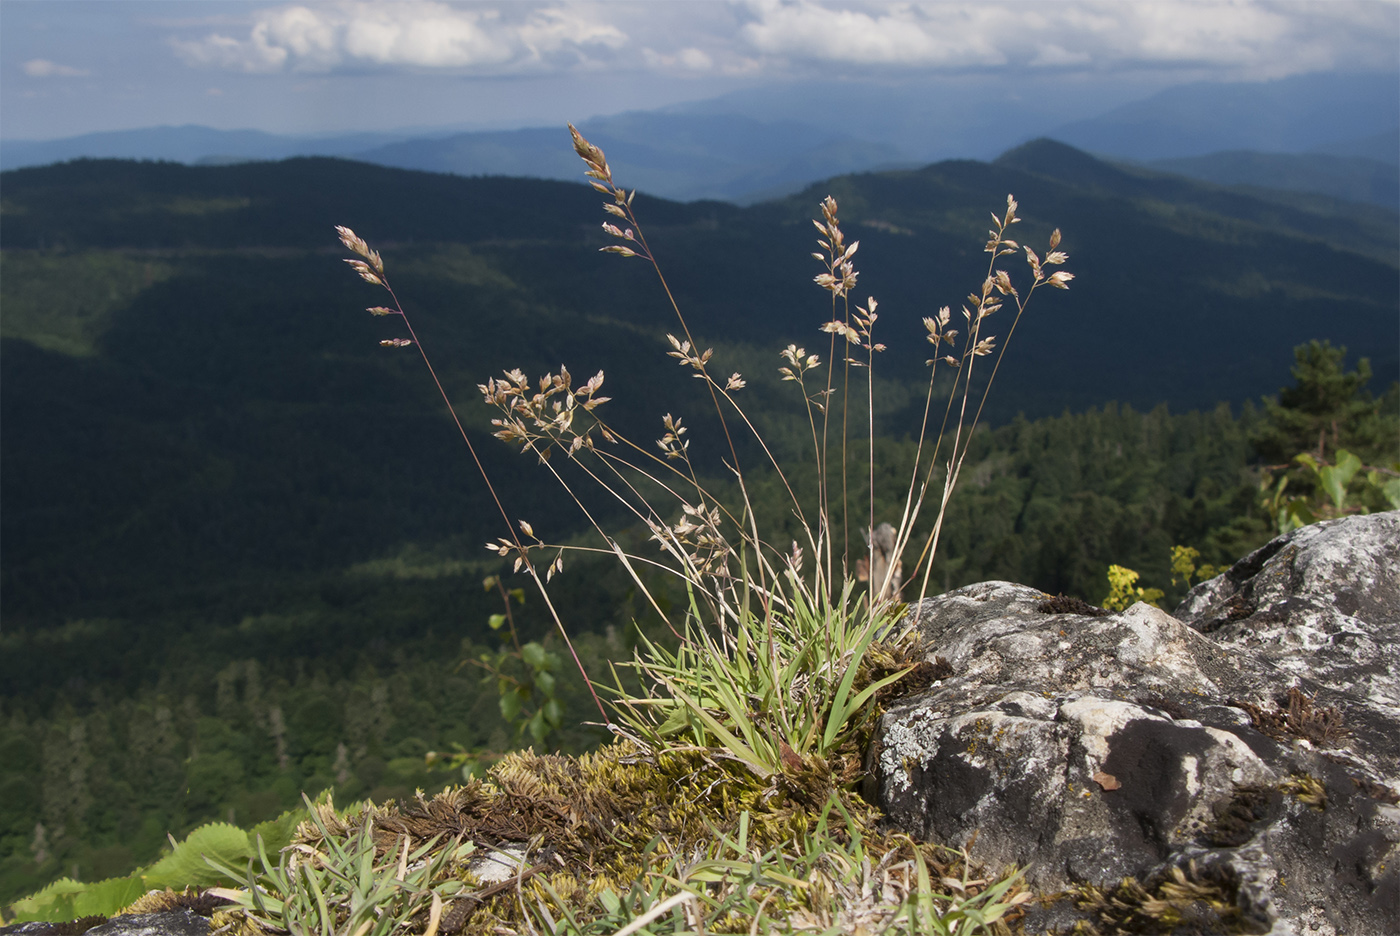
(1341, 488)
(523, 672)
(185, 866)
(1124, 592)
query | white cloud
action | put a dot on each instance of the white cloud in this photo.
(1209, 38)
(1235, 38)
(413, 33)
(898, 34)
(689, 59)
(43, 68)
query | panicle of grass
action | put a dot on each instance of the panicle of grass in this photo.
(996, 287)
(371, 269)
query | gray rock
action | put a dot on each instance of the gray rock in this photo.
(167, 923)
(1252, 746)
(164, 923)
(1322, 602)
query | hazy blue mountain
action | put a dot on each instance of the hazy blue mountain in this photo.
(1384, 146)
(1290, 115)
(932, 118)
(685, 157)
(187, 144)
(1354, 178)
(771, 140)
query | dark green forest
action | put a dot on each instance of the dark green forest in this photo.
(241, 545)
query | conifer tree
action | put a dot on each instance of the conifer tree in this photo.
(1328, 408)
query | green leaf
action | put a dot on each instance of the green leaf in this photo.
(1339, 477)
(1391, 490)
(726, 738)
(277, 833)
(554, 713)
(186, 866)
(544, 682)
(843, 708)
(53, 903)
(534, 655)
(510, 706)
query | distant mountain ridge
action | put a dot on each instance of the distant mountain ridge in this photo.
(1354, 178)
(1290, 115)
(683, 157)
(188, 144)
(762, 143)
(1382, 147)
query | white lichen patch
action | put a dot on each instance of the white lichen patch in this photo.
(1098, 719)
(1191, 774)
(498, 865)
(988, 739)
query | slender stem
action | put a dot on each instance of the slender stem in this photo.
(845, 434)
(876, 590)
(510, 616)
(529, 566)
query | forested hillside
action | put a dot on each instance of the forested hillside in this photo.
(242, 554)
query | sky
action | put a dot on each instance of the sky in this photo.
(69, 67)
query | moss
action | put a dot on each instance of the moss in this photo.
(622, 825)
(1064, 604)
(1308, 789)
(1235, 820)
(1297, 716)
(1184, 902)
(601, 821)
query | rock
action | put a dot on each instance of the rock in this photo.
(1322, 602)
(165, 923)
(1239, 762)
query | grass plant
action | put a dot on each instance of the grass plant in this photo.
(774, 632)
(778, 658)
(345, 884)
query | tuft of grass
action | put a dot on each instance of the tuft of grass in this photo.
(329, 884)
(779, 662)
(773, 633)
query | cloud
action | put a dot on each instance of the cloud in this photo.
(904, 34)
(688, 59)
(414, 33)
(1241, 38)
(1210, 38)
(43, 68)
